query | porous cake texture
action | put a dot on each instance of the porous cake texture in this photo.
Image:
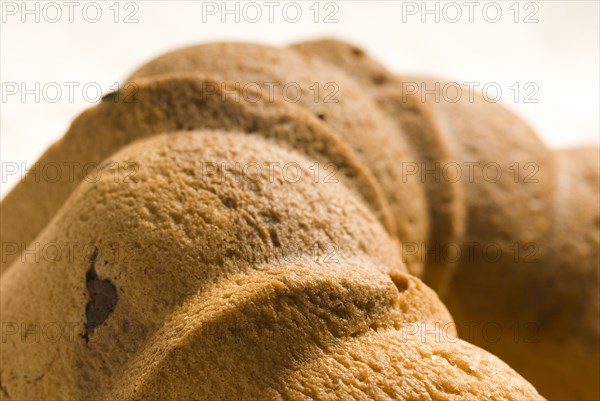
(274, 223)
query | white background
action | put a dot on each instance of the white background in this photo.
(559, 53)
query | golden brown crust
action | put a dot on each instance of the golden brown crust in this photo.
(539, 216)
(216, 278)
(174, 103)
(564, 297)
(433, 156)
(332, 96)
(344, 317)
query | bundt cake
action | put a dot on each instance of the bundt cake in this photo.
(258, 226)
(230, 284)
(539, 287)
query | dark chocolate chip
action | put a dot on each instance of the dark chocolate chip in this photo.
(357, 52)
(379, 79)
(103, 298)
(110, 96)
